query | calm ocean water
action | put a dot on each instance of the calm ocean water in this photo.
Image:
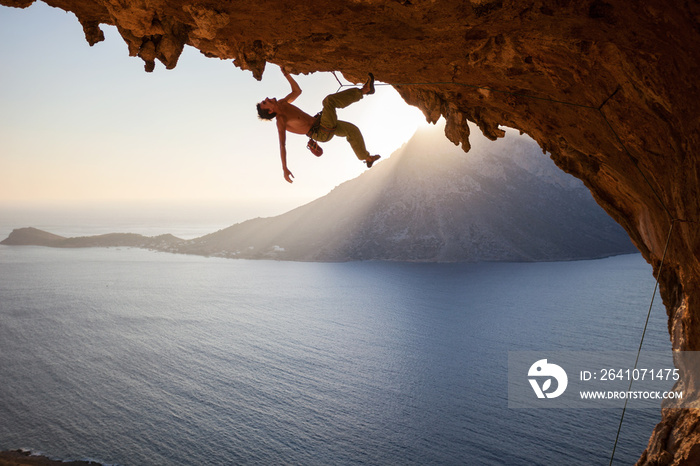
(141, 358)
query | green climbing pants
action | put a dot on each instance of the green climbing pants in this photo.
(327, 124)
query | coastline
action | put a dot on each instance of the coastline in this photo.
(26, 458)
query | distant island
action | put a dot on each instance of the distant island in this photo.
(429, 202)
(34, 237)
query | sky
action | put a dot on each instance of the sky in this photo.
(87, 125)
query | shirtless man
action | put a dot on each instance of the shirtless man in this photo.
(320, 128)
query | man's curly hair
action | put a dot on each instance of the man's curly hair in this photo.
(265, 114)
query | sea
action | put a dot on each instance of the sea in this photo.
(135, 357)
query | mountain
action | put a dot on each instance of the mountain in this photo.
(430, 201)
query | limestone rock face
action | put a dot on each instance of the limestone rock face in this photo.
(609, 88)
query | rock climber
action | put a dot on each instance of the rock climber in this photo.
(321, 127)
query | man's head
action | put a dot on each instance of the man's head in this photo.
(267, 109)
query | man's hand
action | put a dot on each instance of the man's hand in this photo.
(296, 90)
(288, 175)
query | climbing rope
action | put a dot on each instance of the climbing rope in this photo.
(641, 341)
(449, 83)
(599, 109)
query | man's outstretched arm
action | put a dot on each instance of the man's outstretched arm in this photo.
(282, 130)
(296, 90)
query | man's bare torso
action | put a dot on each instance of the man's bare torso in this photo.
(295, 120)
